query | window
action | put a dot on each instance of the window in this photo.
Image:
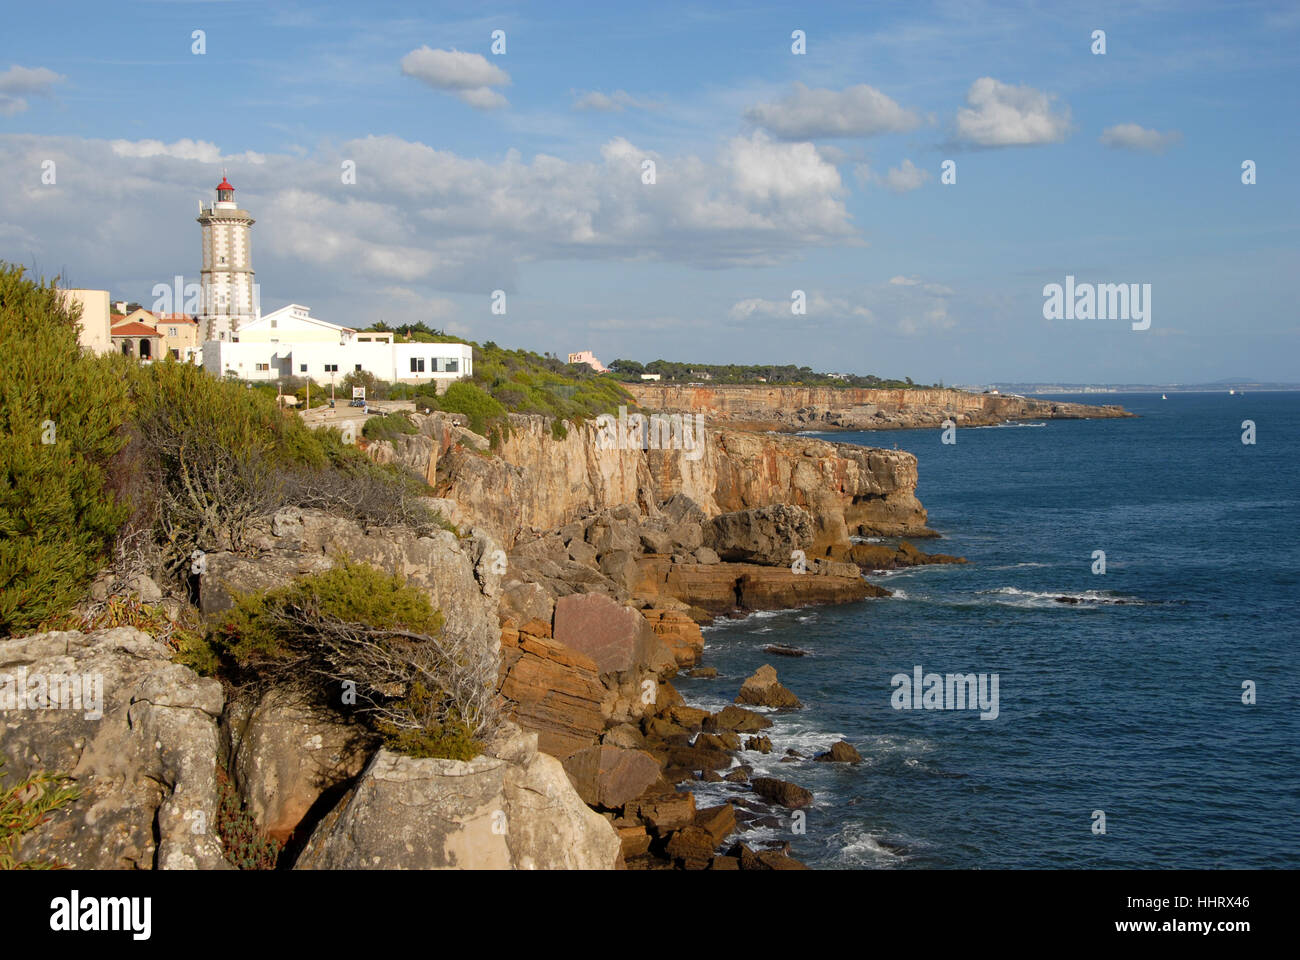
(302, 368)
(417, 364)
(331, 368)
(259, 366)
(453, 365)
(357, 368)
(171, 331)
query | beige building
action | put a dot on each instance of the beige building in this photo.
(95, 334)
(178, 334)
(135, 339)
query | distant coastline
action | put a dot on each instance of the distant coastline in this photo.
(1077, 389)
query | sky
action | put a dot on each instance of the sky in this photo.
(401, 169)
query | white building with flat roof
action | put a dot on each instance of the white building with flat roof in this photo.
(295, 323)
(289, 342)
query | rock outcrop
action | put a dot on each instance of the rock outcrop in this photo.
(294, 542)
(286, 753)
(512, 808)
(538, 483)
(551, 690)
(768, 535)
(139, 740)
(763, 689)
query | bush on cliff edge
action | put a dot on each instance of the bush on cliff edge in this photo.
(61, 414)
(359, 631)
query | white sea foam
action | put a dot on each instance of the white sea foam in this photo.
(1015, 597)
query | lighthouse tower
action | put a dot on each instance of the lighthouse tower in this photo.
(228, 288)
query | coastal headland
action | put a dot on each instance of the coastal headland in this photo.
(794, 409)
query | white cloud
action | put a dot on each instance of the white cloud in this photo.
(804, 114)
(906, 176)
(183, 149)
(15, 81)
(819, 307)
(1004, 115)
(615, 102)
(427, 220)
(1131, 136)
(905, 305)
(470, 76)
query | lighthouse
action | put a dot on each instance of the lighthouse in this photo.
(228, 290)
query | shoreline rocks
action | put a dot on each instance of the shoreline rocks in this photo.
(762, 689)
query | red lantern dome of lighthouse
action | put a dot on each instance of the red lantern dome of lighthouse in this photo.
(224, 184)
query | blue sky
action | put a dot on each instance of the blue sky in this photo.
(775, 172)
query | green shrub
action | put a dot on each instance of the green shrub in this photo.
(476, 403)
(61, 418)
(23, 808)
(376, 389)
(218, 455)
(388, 426)
(242, 840)
(425, 693)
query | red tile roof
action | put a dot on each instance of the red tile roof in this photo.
(134, 329)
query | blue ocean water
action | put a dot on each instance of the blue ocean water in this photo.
(1134, 708)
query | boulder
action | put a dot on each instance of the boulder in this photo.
(762, 689)
(691, 843)
(738, 720)
(512, 810)
(582, 552)
(707, 555)
(781, 791)
(608, 534)
(624, 735)
(617, 638)
(662, 811)
(679, 633)
(691, 718)
(679, 508)
(656, 541)
(137, 734)
(287, 753)
(761, 744)
(621, 568)
(609, 776)
(552, 691)
(525, 601)
(686, 537)
(764, 535)
(633, 837)
(719, 822)
(840, 752)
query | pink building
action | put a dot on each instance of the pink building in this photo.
(589, 359)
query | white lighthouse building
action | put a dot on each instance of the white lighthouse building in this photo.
(229, 299)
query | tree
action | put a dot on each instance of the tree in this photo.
(61, 419)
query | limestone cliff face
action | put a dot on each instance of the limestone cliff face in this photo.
(853, 408)
(538, 483)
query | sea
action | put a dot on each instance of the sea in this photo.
(1152, 722)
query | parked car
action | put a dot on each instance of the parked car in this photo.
(357, 403)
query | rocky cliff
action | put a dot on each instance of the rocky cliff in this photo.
(852, 408)
(538, 483)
